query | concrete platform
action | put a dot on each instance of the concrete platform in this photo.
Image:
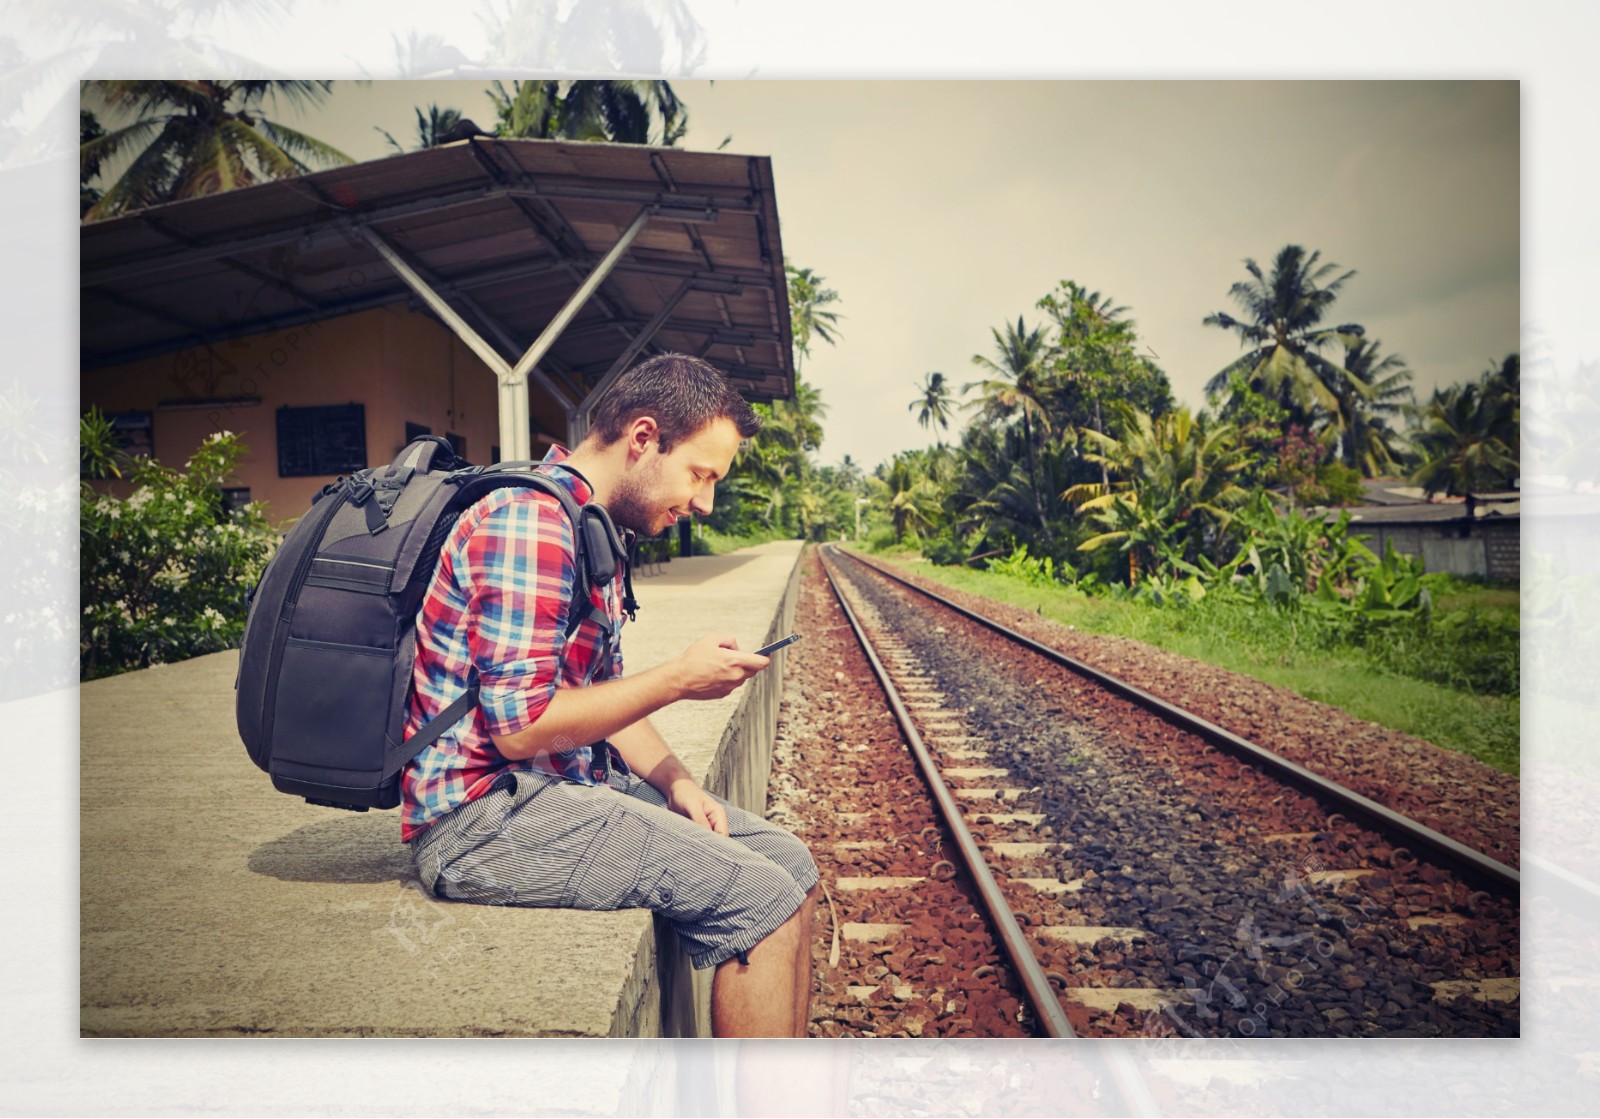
(212, 905)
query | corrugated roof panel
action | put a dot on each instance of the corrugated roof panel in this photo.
(454, 212)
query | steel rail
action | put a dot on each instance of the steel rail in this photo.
(1040, 992)
(1034, 981)
(1471, 863)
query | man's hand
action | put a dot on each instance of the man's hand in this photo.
(688, 799)
(713, 667)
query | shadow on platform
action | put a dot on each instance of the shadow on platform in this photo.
(360, 849)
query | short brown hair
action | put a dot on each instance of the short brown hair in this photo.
(680, 392)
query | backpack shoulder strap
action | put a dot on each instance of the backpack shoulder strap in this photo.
(513, 474)
(482, 479)
(574, 512)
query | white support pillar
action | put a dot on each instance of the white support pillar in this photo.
(513, 396)
(515, 434)
(434, 300)
(581, 296)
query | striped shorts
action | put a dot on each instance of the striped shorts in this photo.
(538, 840)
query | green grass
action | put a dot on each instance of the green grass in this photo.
(1287, 652)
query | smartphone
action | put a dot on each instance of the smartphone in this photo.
(768, 650)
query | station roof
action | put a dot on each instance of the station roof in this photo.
(505, 230)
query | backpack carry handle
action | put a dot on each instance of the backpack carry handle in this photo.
(427, 453)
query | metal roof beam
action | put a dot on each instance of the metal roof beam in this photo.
(570, 381)
(726, 282)
(516, 383)
(578, 417)
(140, 307)
(311, 237)
(735, 335)
(316, 240)
(504, 373)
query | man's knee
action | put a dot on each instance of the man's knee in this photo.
(791, 853)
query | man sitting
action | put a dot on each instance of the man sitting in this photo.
(557, 791)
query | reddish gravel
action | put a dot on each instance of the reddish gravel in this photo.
(841, 775)
(1449, 791)
(1153, 829)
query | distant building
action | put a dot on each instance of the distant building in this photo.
(1478, 535)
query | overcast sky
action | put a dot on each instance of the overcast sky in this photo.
(939, 210)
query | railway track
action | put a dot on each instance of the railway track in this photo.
(1139, 880)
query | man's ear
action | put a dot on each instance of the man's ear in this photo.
(641, 433)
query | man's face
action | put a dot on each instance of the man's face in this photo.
(659, 488)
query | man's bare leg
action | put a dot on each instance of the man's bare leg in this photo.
(761, 1000)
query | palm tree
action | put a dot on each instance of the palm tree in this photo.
(88, 129)
(1502, 393)
(1285, 339)
(1178, 483)
(193, 138)
(849, 473)
(1017, 386)
(1000, 499)
(431, 129)
(1377, 391)
(809, 312)
(592, 36)
(1094, 345)
(797, 422)
(933, 404)
(621, 112)
(911, 496)
(1468, 439)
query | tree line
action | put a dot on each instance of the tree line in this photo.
(1077, 452)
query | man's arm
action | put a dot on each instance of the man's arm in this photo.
(709, 669)
(648, 755)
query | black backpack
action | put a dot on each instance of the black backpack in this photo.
(324, 679)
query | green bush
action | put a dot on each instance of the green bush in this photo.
(949, 548)
(1469, 650)
(164, 572)
(1336, 484)
(880, 538)
(1035, 571)
(708, 541)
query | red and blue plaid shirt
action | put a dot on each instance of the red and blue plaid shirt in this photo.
(497, 609)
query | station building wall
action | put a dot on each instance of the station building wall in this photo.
(401, 365)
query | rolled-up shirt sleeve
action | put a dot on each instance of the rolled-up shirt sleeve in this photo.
(522, 576)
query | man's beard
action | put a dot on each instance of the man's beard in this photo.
(631, 504)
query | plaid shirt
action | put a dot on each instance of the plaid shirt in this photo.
(496, 609)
